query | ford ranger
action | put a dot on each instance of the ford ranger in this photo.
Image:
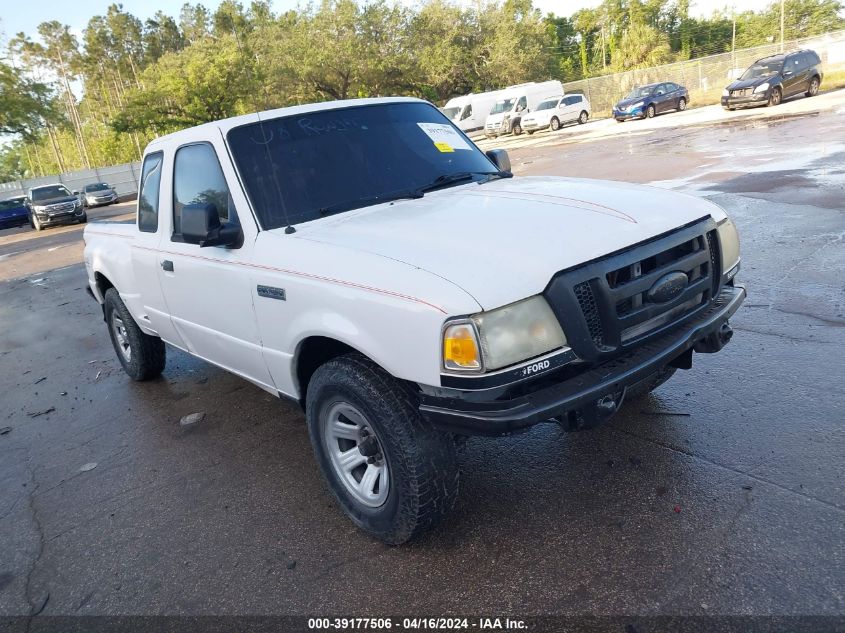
(367, 260)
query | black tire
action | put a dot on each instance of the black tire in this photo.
(516, 128)
(530, 132)
(421, 461)
(620, 120)
(645, 387)
(83, 219)
(682, 104)
(147, 353)
(554, 124)
(650, 111)
(813, 88)
(775, 97)
(583, 117)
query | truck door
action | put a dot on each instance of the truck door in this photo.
(144, 251)
(209, 289)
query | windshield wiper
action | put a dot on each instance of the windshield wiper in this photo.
(348, 205)
(448, 179)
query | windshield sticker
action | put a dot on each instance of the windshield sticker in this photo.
(444, 136)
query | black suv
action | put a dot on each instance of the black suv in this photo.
(770, 80)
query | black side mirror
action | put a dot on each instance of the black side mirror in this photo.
(500, 159)
(201, 225)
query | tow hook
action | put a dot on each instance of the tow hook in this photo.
(715, 341)
(589, 416)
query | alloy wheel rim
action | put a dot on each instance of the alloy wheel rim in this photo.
(121, 337)
(356, 455)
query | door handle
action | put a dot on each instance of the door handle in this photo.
(167, 265)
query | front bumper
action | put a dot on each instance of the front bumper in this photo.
(48, 219)
(95, 202)
(624, 115)
(503, 416)
(745, 101)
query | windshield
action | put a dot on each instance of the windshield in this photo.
(100, 186)
(48, 193)
(451, 112)
(638, 93)
(502, 106)
(13, 203)
(762, 69)
(547, 105)
(296, 168)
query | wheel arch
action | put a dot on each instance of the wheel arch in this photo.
(314, 351)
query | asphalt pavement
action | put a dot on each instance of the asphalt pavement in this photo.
(721, 494)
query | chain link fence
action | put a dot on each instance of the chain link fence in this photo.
(122, 178)
(704, 77)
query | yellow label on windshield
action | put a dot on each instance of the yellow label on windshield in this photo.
(443, 146)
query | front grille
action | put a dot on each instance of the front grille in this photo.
(743, 92)
(590, 309)
(61, 208)
(616, 301)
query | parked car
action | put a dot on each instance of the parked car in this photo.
(469, 112)
(367, 261)
(98, 194)
(553, 113)
(54, 204)
(770, 80)
(651, 100)
(13, 212)
(514, 103)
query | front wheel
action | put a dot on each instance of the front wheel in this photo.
(83, 219)
(583, 117)
(35, 222)
(516, 129)
(813, 90)
(555, 124)
(682, 104)
(775, 97)
(392, 473)
(142, 356)
(650, 112)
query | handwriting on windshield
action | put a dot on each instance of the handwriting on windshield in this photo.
(326, 126)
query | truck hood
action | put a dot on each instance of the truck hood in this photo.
(58, 200)
(504, 240)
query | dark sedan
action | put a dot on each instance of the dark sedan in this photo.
(13, 212)
(770, 80)
(649, 101)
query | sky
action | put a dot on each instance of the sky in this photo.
(25, 16)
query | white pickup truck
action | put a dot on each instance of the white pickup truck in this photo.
(369, 261)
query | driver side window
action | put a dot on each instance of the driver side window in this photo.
(198, 179)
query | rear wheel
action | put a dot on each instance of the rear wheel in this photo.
(813, 90)
(555, 124)
(583, 117)
(775, 97)
(682, 104)
(392, 473)
(650, 111)
(142, 356)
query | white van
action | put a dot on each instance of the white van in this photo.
(469, 112)
(506, 115)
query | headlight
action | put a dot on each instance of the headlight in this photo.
(726, 93)
(638, 104)
(728, 244)
(498, 338)
(762, 87)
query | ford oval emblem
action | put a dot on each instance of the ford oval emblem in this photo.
(668, 287)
